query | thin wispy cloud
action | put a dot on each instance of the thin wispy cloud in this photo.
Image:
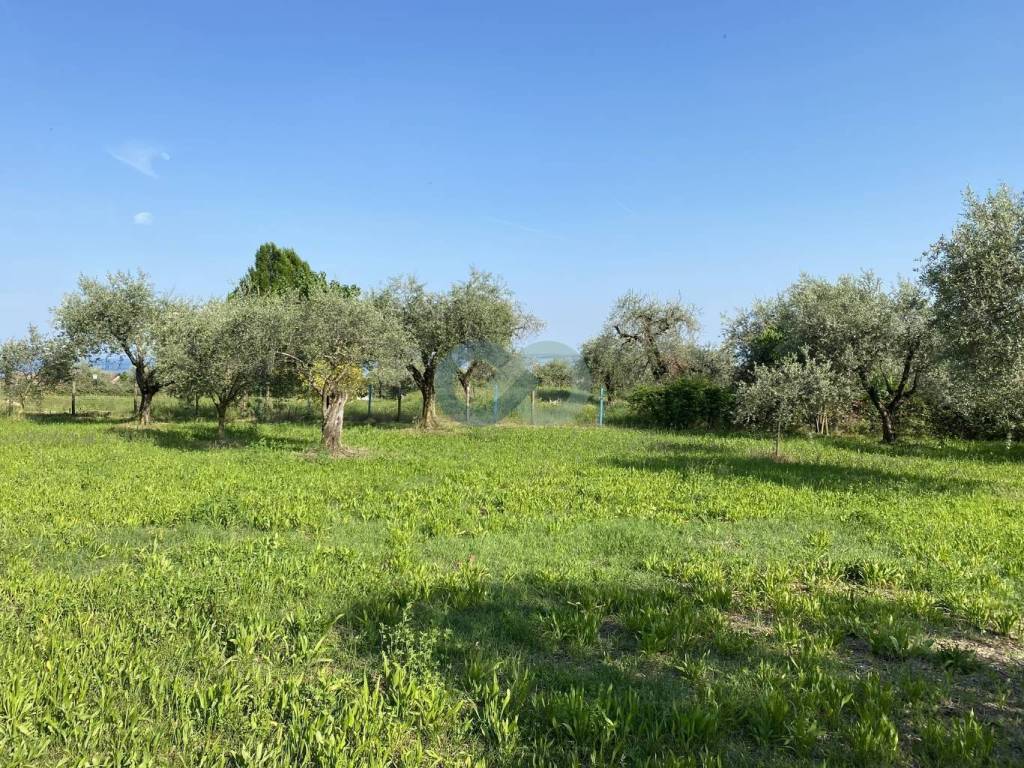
(139, 156)
(143, 218)
(525, 227)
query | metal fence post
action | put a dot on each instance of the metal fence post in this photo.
(600, 410)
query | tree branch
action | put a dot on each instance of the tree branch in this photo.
(871, 390)
(901, 392)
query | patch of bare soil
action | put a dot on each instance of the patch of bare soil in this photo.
(1001, 652)
(747, 626)
(345, 452)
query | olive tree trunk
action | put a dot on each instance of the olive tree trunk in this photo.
(887, 409)
(147, 386)
(145, 414)
(222, 420)
(333, 423)
(886, 412)
(425, 382)
(428, 415)
(888, 425)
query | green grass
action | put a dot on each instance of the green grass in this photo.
(106, 406)
(549, 409)
(508, 596)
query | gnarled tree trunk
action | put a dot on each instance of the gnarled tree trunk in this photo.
(147, 385)
(333, 423)
(887, 410)
(146, 406)
(886, 413)
(425, 382)
(429, 413)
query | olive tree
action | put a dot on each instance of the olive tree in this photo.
(471, 368)
(660, 330)
(15, 360)
(122, 315)
(787, 394)
(391, 375)
(554, 373)
(614, 364)
(30, 365)
(754, 339)
(219, 350)
(882, 339)
(976, 276)
(333, 339)
(480, 310)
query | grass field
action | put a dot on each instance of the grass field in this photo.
(548, 409)
(504, 596)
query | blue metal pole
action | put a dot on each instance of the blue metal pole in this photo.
(369, 403)
(495, 402)
(600, 410)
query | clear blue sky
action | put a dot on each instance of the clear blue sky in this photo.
(577, 149)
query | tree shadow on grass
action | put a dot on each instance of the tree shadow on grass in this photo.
(590, 673)
(987, 452)
(380, 423)
(95, 417)
(202, 437)
(687, 458)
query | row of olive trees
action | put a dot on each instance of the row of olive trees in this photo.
(875, 340)
(333, 338)
(956, 335)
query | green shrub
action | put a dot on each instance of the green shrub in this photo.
(684, 403)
